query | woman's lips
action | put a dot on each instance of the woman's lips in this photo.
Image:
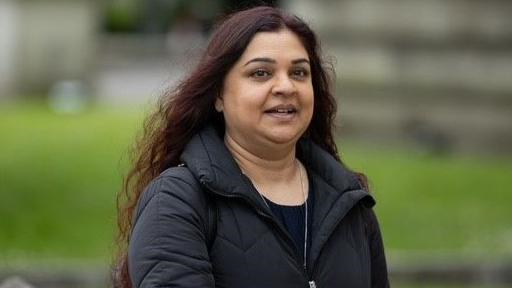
(282, 113)
(281, 110)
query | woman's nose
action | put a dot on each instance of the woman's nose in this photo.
(283, 85)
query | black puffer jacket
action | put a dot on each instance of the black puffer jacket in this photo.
(169, 245)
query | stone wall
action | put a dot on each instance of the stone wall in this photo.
(432, 72)
(43, 42)
(8, 45)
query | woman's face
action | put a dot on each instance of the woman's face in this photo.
(267, 96)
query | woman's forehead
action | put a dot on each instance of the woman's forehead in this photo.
(281, 44)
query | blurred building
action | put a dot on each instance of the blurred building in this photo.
(433, 73)
(436, 73)
(43, 42)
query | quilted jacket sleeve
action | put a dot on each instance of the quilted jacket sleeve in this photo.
(168, 245)
(378, 258)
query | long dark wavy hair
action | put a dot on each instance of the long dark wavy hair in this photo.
(183, 111)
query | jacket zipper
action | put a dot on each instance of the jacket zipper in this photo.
(312, 283)
(260, 212)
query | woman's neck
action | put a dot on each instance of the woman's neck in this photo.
(264, 169)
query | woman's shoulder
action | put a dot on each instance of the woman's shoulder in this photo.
(371, 224)
(174, 186)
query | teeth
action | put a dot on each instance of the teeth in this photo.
(281, 110)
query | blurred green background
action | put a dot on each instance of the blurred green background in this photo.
(60, 174)
(425, 112)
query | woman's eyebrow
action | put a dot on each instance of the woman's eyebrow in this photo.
(262, 59)
(272, 61)
(301, 60)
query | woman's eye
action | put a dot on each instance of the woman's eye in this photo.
(260, 73)
(300, 73)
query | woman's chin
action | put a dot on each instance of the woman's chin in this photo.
(283, 136)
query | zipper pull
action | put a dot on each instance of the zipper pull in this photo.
(312, 284)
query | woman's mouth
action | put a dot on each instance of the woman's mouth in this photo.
(282, 110)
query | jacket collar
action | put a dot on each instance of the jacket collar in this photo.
(212, 164)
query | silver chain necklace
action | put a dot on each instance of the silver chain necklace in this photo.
(305, 208)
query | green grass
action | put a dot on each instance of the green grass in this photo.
(440, 204)
(430, 285)
(59, 175)
(58, 180)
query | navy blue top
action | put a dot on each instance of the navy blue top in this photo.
(292, 218)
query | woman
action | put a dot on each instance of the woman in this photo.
(238, 182)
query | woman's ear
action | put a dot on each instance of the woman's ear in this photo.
(219, 104)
